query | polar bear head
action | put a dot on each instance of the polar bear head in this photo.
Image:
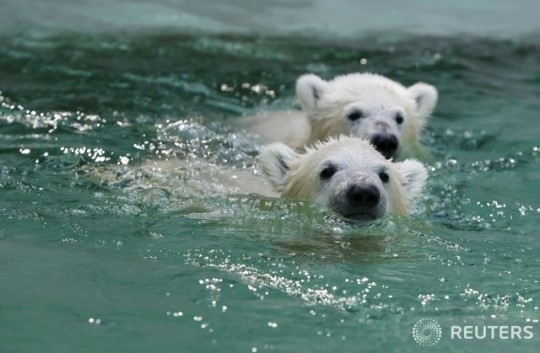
(368, 106)
(346, 174)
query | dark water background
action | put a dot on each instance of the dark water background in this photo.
(107, 263)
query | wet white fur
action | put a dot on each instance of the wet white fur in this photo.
(296, 176)
(326, 104)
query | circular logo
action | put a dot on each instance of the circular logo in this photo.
(427, 332)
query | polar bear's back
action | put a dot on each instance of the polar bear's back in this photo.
(290, 127)
(196, 178)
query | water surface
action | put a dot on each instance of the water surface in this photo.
(99, 252)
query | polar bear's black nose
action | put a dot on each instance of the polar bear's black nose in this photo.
(363, 196)
(386, 144)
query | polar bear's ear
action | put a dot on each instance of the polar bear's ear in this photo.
(309, 89)
(425, 97)
(275, 160)
(415, 176)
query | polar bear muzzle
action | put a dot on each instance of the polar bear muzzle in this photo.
(360, 202)
(386, 144)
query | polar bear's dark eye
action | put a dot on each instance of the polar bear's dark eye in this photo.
(399, 119)
(328, 172)
(384, 177)
(355, 115)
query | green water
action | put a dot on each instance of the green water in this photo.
(93, 260)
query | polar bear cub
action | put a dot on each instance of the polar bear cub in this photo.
(347, 175)
(364, 105)
(368, 106)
